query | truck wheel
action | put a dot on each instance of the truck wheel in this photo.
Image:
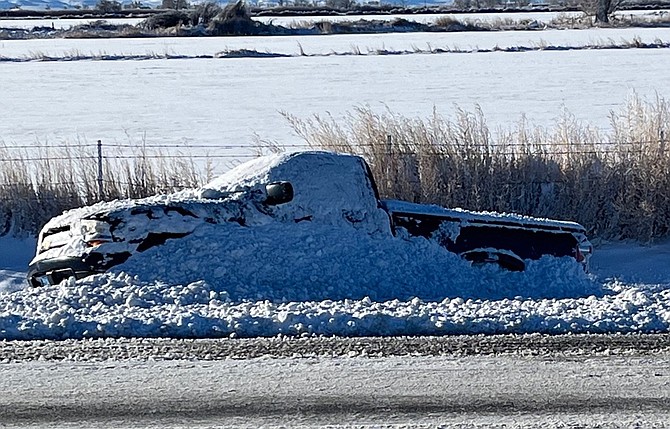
(505, 261)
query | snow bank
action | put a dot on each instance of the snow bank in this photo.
(310, 262)
(119, 305)
(325, 282)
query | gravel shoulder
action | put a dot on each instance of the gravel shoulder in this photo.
(556, 346)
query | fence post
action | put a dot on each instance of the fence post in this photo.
(390, 188)
(100, 196)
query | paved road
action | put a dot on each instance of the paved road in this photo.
(522, 389)
(394, 391)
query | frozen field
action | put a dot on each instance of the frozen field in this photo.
(293, 21)
(541, 17)
(64, 23)
(225, 102)
(313, 45)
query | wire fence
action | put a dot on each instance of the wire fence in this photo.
(40, 153)
(616, 184)
(661, 141)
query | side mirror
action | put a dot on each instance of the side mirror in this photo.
(278, 193)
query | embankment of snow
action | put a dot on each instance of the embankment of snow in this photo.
(118, 305)
(309, 262)
(310, 285)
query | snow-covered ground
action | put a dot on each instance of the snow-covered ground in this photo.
(222, 104)
(319, 281)
(304, 21)
(540, 17)
(325, 44)
(15, 253)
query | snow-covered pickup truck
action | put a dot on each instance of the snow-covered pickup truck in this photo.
(333, 190)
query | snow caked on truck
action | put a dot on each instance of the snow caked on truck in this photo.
(331, 189)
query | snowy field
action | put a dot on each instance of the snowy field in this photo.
(540, 17)
(327, 44)
(294, 21)
(223, 103)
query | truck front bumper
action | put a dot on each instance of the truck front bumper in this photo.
(55, 270)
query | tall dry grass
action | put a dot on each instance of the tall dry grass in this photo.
(616, 183)
(40, 182)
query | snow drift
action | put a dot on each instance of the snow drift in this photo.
(373, 287)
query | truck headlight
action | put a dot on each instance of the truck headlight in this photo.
(94, 232)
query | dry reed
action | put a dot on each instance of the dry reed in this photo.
(39, 182)
(615, 183)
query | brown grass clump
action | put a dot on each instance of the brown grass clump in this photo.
(615, 184)
(235, 19)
